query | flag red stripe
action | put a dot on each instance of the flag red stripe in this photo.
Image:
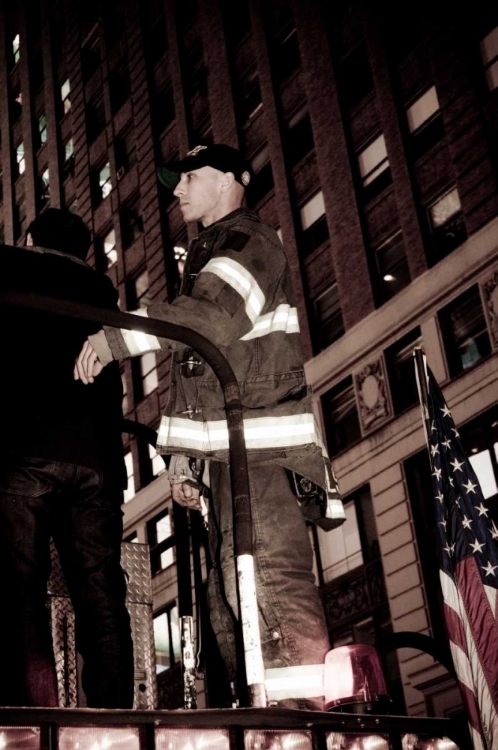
(455, 628)
(472, 707)
(482, 622)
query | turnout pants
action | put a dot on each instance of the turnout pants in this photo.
(291, 616)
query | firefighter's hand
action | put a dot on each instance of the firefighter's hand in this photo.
(87, 365)
(184, 494)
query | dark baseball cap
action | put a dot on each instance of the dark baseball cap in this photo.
(219, 156)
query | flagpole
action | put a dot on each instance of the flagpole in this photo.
(421, 375)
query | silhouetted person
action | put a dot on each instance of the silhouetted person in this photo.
(61, 476)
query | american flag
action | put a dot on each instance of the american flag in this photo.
(468, 554)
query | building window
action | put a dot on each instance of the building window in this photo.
(161, 542)
(313, 224)
(164, 108)
(16, 106)
(119, 86)
(237, 21)
(95, 117)
(167, 638)
(425, 122)
(20, 220)
(465, 335)
(69, 157)
(262, 180)
(129, 492)
(355, 542)
(355, 77)
(107, 254)
(144, 368)
(90, 57)
(37, 74)
(446, 224)
(125, 405)
(148, 373)
(114, 24)
(287, 56)
(299, 137)
(480, 440)
(20, 159)
(401, 371)
(102, 185)
(393, 273)
(489, 55)
(248, 94)
(340, 549)
(126, 153)
(374, 168)
(66, 96)
(328, 316)
(42, 129)
(131, 538)
(138, 296)
(157, 463)
(131, 222)
(158, 41)
(341, 416)
(16, 49)
(44, 187)
(180, 255)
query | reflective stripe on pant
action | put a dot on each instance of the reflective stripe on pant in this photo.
(292, 621)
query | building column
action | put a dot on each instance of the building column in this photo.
(219, 86)
(333, 163)
(280, 179)
(406, 199)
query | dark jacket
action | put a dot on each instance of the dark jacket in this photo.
(237, 292)
(45, 412)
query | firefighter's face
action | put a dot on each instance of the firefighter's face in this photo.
(200, 194)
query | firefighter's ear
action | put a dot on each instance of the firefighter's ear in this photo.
(227, 181)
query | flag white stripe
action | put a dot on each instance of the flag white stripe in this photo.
(242, 281)
(491, 594)
(478, 684)
(476, 739)
(264, 432)
(283, 318)
(139, 342)
(462, 666)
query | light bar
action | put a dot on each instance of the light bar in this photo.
(99, 738)
(190, 738)
(20, 738)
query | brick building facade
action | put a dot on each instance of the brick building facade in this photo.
(373, 134)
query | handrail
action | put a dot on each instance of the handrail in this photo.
(236, 441)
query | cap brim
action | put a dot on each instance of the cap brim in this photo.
(168, 177)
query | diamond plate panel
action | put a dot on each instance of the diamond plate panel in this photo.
(144, 656)
(135, 560)
(63, 638)
(136, 564)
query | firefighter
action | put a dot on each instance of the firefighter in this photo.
(236, 291)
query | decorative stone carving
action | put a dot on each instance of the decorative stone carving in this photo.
(371, 390)
(356, 594)
(489, 289)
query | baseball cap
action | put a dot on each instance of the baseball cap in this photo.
(219, 156)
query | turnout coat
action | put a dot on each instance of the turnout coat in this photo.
(237, 292)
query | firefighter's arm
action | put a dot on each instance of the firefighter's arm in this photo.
(115, 343)
(230, 291)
